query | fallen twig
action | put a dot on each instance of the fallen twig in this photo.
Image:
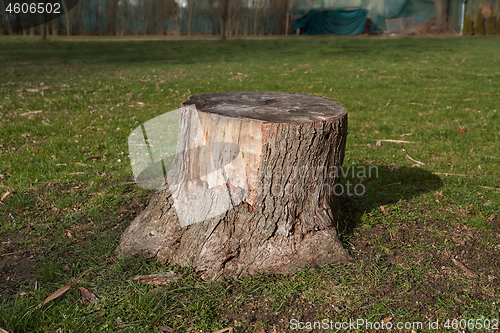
(491, 188)
(394, 141)
(414, 160)
(95, 157)
(467, 271)
(165, 328)
(12, 253)
(479, 93)
(28, 113)
(398, 183)
(448, 174)
(159, 279)
(227, 329)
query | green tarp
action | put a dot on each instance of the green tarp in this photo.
(338, 22)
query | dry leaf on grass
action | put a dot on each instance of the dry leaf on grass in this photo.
(5, 195)
(60, 291)
(87, 296)
(56, 294)
(438, 194)
(462, 129)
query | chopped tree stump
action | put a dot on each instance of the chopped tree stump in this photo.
(280, 180)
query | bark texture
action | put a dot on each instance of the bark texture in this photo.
(283, 217)
(441, 15)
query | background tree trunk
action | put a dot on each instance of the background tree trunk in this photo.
(43, 30)
(224, 14)
(80, 19)
(191, 5)
(111, 15)
(281, 182)
(441, 15)
(96, 23)
(3, 22)
(55, 27)
(68, 22)
(124, 17)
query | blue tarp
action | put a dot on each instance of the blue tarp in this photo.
(338, 22)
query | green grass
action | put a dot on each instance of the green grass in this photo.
(66, 211)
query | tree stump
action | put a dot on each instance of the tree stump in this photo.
(278, 157)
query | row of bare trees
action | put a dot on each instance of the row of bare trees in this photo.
(150, 17)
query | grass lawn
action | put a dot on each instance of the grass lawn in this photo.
(426, 238)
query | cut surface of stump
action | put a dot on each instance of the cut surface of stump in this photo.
(252, 188)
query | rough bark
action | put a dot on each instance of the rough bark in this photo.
(441, 15)
(191, 5)
(80, 19)
(285, 214)
(68, 22)
(55, 27)
(224, 15)
(43, 31)
(111, 16)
